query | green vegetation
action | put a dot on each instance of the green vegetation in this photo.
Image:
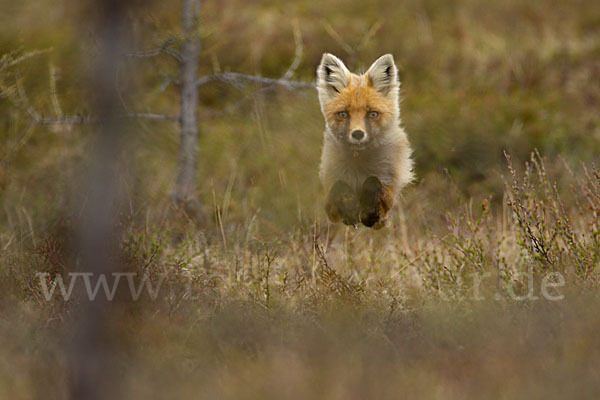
(263, 298)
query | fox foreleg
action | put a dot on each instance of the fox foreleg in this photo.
(376, 200)
(342, 204)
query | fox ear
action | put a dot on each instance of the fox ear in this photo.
(383, 74)
(332, 75)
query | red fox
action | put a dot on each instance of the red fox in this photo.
(366, 159)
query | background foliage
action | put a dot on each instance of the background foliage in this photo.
(265, 297)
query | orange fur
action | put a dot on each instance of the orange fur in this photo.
(358, 98)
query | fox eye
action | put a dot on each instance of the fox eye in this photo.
(373, 114)
(343, 114)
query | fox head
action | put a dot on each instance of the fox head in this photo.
(359, 109)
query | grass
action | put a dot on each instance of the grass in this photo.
(265, 299)
(454, 310)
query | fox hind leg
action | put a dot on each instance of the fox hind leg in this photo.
(376, 200)
(342, 204)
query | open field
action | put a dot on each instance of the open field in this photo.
(484, 284)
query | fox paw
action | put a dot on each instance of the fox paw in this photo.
(376, 201)
(342, 204)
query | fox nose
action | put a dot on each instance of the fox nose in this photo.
(358, 135)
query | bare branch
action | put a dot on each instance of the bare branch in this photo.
(155, 52)
(297, 54)
(164, 48)
(81, 120)
(167, 80)
(145, 54)
(234, 77)
(66, 120)
(173, 53)
(154, 116)
(53, 73)
(8, 61)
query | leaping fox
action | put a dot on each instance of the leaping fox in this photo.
(366, 159)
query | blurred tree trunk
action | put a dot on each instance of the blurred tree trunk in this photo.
(92, 350)
(185, 182)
